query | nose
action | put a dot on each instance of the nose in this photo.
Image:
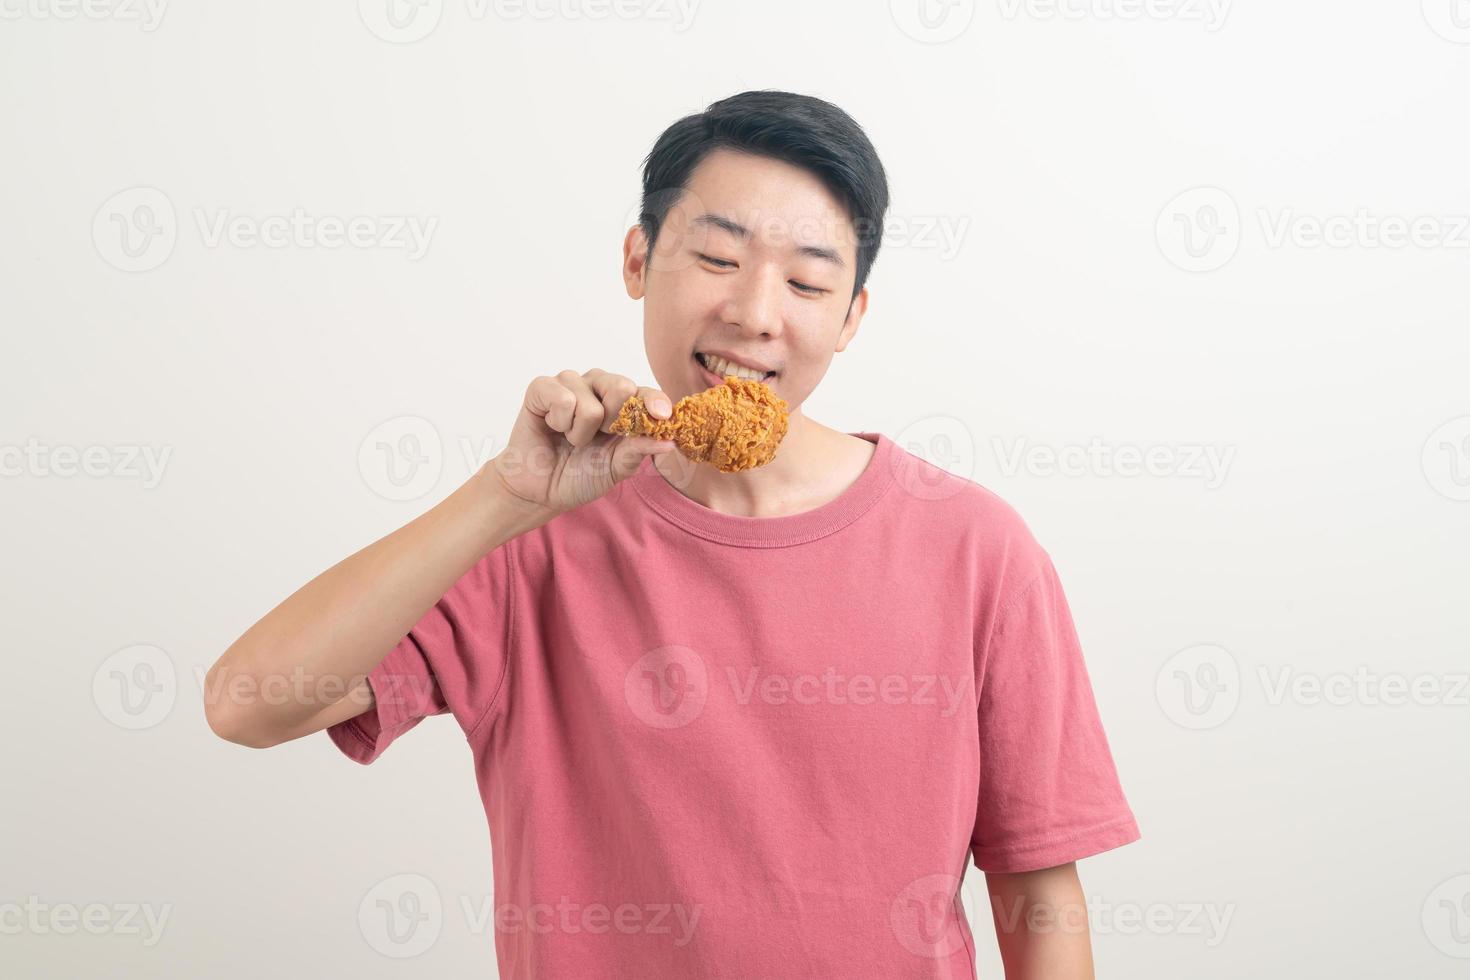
(755, 303)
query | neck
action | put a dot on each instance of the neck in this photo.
(808, 456)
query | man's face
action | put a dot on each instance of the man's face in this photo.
(756, 261)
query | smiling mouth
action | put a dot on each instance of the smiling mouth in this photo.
(720, 368)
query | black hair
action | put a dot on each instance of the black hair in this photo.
(802, 130)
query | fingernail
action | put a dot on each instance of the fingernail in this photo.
(659, 406)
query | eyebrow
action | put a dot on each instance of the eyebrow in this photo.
(743, 233)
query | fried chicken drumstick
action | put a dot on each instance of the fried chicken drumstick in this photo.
(733, 426)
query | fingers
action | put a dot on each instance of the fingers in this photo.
(611, 391)
(630, 450)
(587, 412)
(567, 405)
(658, 403)
(581, 405)
(615, 389)
(552, 402)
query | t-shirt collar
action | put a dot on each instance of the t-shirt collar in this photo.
(771, 532)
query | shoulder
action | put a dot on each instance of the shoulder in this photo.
(988, 529)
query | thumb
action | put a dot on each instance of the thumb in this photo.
(630, 451)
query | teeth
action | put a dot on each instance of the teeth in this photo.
(723, 367)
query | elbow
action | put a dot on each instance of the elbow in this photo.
(228, 721)
(232, 729)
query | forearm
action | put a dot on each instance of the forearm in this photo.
(1041, 924)
(299, 661)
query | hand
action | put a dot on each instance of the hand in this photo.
(560, 454)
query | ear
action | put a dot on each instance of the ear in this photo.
(855, 311)
(635, 262)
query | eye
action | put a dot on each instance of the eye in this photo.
(727, 264)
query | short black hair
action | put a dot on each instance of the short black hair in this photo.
(802, 130)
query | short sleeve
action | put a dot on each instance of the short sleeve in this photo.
(453, 660)
(1049, 791)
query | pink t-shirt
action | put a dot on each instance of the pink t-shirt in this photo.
(722, 746)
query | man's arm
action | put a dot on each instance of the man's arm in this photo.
(336, 628)
(1041, 924)
(341, 624)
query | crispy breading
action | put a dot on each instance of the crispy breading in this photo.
(733, 426)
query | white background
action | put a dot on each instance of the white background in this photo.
(1045, 288)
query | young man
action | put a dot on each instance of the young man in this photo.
(729, 725)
